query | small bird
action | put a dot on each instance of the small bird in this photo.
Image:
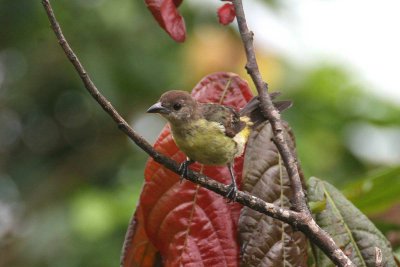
(209, 133)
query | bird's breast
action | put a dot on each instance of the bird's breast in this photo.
(205, 141)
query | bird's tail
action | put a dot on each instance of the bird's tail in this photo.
(252, 109)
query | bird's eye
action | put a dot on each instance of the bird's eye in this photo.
(177, 106)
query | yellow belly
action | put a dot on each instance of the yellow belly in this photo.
(206, 142)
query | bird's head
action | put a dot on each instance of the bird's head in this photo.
(176, 106)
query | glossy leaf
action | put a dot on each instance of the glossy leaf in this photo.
(351, 230)
(376, 193)
(188, 224)
(138, 251)
(264, 240)
(232, 90)
(226, 13)
(167, 15)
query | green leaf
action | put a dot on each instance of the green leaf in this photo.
(376, 193)
(317, 206)
(351, 230)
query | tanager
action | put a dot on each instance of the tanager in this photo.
(210, 133)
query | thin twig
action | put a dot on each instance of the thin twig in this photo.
(269, 110)
(311, 229)
(245, 199)
(295, 219)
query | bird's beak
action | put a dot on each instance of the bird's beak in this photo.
(158, 108)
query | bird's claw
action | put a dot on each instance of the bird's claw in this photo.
(232, 193)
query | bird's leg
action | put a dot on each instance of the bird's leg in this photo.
(183, 169)
(232, 187)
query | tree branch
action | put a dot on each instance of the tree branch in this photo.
(296, 219)
(268, 109)
(288, 216)
(311, 229)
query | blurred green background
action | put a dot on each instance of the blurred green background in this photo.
(70, 180)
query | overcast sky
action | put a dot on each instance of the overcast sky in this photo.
(364, 35)
(361, 34)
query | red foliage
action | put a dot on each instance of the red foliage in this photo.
(186, 223)
(226, 13)
(168, 17)
(138, 250)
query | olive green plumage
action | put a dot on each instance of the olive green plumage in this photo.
(209, 133)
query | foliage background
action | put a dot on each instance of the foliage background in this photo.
(69, 179)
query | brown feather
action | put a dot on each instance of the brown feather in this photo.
(226, 116)
(252, 109)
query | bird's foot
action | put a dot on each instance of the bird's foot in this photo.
(183, 169)
(232, 192)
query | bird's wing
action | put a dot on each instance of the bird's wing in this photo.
(253, 111)
(226, 116)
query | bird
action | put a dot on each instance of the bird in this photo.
(210, 133)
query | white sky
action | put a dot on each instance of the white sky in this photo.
(364, 35)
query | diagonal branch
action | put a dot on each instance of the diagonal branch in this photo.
(269, 109)
(288, 216)
(300, 220)
(317, 235)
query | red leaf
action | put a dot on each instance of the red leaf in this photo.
(223, 88)
(137, 250)
(178, 2)
(168, 17)
(186, 223)
(226, 13)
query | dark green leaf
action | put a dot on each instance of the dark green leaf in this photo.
(377, 192)
(352, 231)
